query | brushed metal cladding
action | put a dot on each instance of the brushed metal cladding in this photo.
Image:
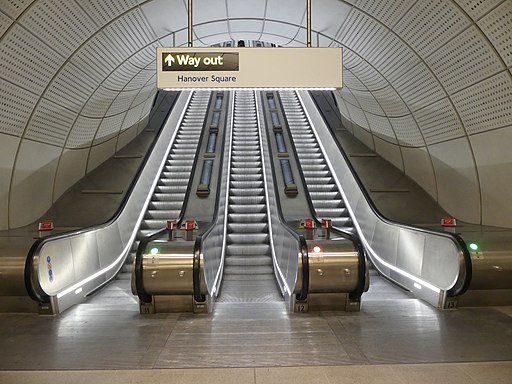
(84, 260)
(169, 271)
(406, 256)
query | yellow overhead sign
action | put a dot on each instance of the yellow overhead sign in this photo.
(182, 68)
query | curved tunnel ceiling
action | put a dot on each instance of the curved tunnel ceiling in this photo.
(427, 84)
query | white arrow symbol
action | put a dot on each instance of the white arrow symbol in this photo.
(169, 60)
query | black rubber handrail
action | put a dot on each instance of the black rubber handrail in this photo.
(141, 293)
(36, 246)
(361, 268)
(455, 291)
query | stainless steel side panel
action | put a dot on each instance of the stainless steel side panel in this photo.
(426, 263)
(81, 262)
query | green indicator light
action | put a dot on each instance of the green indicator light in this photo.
(473, 246)
(154, 251)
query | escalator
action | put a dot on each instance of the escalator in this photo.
(248, 271)
(325, 195)
(167, 198)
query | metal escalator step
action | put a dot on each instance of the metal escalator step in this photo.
(331, 212)
(247, 249)
(244, 261)
(342, 221)
(246, 192)
(325, 195)
(322, 187)
(168, 196)
(248, 227)
(246, 184)
(247, 218)
(171, 188)
(247, 209)
(249, 239)
(327, 203)
(246, 200)
(246, 177)
(253, 270)
(153, 224)
(162, 214)
(166, 205)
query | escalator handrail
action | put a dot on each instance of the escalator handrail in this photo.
(456, 238)
(38, 244)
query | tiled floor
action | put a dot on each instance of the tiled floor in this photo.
(108, 334)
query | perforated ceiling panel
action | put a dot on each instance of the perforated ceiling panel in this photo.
(108, 127)
(61, 24)
(99, 103)
(99, 56)
(130, 32)
(477, 8)
(464, 61)
(392, 57)
(407, 131)
(439, 122)
(121, 76)
(140, 80)
(352, 82)
(15, 108)
(381, 127)
(369, 76)
(122, 102)
(5, 23)
(387, 12)
(347, 95)
(14, 8)
(357, 116)
(486, 105)
(497, 25)
(50, 123)
(104, 11)
(368, 102)
(430, 24)
(361, 32)
(144, 57)
(71, 88)
(27, 61)
(147, 92)
(82, 132)
(391, 102)
(418, 87)
(132, 117)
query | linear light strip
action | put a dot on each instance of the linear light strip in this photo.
(139, 220)
(366, 244)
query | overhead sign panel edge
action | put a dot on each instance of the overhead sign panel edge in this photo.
(185, 68)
